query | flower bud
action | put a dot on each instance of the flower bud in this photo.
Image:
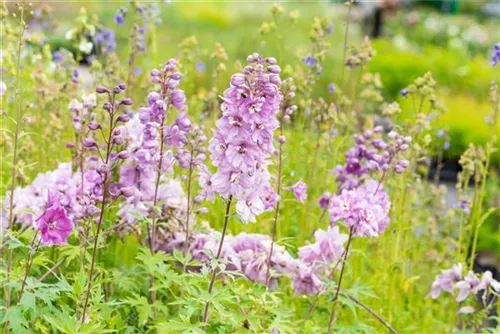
(122, 86)
(274, 69)
(176, 76)
(126, 101)
(89, 142)
(271, 60)
(404, 163)
(237, 79)
(107, 106)
(116, 132)
(101, 90)
(281, 139)
(198, 199)
(70, 145)
(155, 73)
(93, 125)
(123, 118)
(123, 155)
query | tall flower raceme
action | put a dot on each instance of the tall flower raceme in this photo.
(463, 286)
(362, 205)
(243, 143)
(105, 156)
(156, 135)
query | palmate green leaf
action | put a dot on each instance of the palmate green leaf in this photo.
(28, 301)
(142, 306)
(14, 243)
(16, 320)
(349, 303)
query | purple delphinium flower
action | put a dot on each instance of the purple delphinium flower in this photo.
(329, 247)
(451, 280)
(446, 145)
(120, 16)
(331, 88)
(200, 67)
(306, 281)
(324, 200)
(471, 284)
(495, 58)
(54, 226)
(309, 61)
(464, 205)
(57, 57)
(75, 76)
(372, 153)
(329, 31)
(364, 209)
(243, 140)
(446, 280)
(299, 190)
(105, 40)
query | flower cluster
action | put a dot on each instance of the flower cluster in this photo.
(372, 153)
(243, 140)
(453, 281)
(247, 253)
(151, 147)
(364, 209)
(104, 40)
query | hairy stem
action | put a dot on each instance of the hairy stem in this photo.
(217, 256)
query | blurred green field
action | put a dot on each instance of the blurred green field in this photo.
(463, 79)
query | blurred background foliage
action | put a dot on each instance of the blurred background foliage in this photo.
(455, 48)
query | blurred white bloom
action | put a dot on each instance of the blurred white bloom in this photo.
(85, 47)
(69, 34)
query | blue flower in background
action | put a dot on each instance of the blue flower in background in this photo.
(200, 67)
(495, 58)
(309, 61)
(331, 88)
(120, 16)
(329, 31)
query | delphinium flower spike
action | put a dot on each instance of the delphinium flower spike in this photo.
(105, 162)
(243, 142)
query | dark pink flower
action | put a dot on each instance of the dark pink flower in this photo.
(55, 226)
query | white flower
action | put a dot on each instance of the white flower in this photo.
(89, 101)
(85, 47)
(75, 105)
(69, 34)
